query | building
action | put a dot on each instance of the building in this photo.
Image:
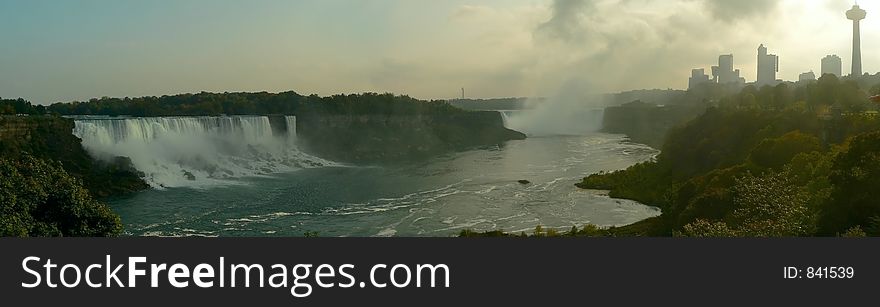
(807, 77)
(698, 76)
(831, 64)
(724, 72)
(768, 65)
(856, 14)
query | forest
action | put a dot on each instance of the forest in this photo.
(38, 198)
(214, 104)
(262, 103)
(774, 161)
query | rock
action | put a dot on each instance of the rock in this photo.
(523, 181)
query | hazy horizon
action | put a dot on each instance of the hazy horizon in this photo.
(426, 49)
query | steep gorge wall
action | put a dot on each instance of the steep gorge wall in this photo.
(647, 124)
(389, 138)
(51, 138)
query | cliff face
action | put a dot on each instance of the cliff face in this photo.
(50, 138)
(647, 123)
(389, 138)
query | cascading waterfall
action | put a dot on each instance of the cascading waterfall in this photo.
(196, 151)
(291, 128)
(505, 118)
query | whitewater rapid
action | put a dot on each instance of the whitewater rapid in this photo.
(197, 151)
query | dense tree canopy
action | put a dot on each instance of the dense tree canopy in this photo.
(39, 198)
(261, 103)
(771, 161)
(856, 176)
(20, 106)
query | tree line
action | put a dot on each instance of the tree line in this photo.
(261, 103)
(775, 161)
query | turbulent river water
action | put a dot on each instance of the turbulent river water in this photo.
(231, 176)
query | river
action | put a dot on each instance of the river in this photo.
(245, 195)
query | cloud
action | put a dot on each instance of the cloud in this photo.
(567, 19)
(628, 44)
(466, 12)
(592, 47)
(730, 11)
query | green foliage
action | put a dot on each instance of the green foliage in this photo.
(831, 91)
(261, 103)
(854, 232)
(644, 182)
(873, 228)
(771, 205)
(776, 152)
(705, 229)
(20, 106)
(50, 138)
(467, 233)
(856, 178)
(40, 199)
(774, 161)
(539, 231)
(589, 230)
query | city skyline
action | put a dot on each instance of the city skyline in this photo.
(768, 64)
(425, 49)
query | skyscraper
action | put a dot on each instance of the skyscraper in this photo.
(698, 76)
(768, 65)
(724, 72)
(831, 64)
(807, 77)
(856, 14)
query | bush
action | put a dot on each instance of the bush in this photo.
(40, 199)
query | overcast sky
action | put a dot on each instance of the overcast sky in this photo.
(74, 50)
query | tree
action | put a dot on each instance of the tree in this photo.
(771, 205)
(38, 198)
(856, 178)
(774, 153)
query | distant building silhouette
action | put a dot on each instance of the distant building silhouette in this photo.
(724, 72)
(831, 64)
(698, 76)
(768, 65)
(856, 14)
(807, 77)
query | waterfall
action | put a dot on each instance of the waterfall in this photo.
(196, 151)
(505, 118)
(291, 128)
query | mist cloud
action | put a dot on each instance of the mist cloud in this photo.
(592, 47)
(628, 44)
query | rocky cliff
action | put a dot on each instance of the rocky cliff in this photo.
(389, 138)
(50, 138)
(647, 123)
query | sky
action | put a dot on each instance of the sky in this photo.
(54, 51)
